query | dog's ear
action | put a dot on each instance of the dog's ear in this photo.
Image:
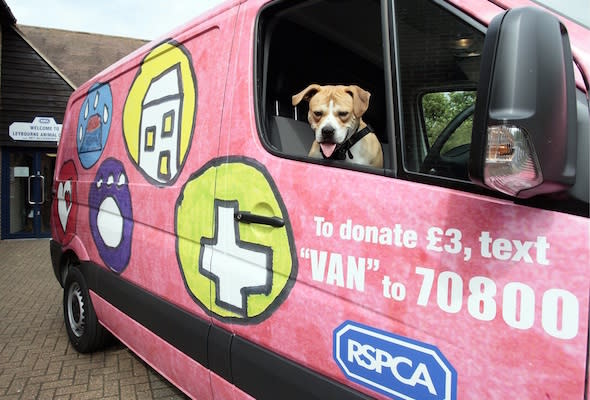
(306, 93)
(360, 99)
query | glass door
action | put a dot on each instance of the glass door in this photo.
(27, 177)
(46, 164)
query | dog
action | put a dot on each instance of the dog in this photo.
(335, 115)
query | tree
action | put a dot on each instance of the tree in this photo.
(439, 108)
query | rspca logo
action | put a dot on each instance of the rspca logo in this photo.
(396, 366)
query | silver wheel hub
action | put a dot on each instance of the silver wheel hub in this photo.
(76, 309)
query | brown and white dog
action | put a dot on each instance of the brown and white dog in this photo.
(335, 114)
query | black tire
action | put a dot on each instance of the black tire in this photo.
(85, 332)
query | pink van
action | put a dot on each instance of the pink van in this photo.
(190, 223)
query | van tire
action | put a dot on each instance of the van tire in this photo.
(85, 332)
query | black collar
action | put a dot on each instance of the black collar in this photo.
(344, 147)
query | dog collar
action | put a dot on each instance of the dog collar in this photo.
(344, 148)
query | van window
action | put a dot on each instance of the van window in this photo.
(341, 42)
(439, 56)
(328, 42)
(447, 121)
(440, 109)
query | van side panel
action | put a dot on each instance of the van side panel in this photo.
(174, 365)
(222, 264)
(433, 289)
(132, 137)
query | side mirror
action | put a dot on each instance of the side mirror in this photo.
(524, 128)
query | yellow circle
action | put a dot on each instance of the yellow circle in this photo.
(243, 186)
(150, 83)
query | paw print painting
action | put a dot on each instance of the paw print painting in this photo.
(111, 216)
(159, 113)
(94, 124)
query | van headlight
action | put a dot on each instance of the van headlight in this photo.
(511, 164)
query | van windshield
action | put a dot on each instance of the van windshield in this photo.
(575, 10)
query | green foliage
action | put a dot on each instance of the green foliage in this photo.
(439, 110)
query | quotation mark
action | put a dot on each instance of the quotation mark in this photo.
(372, 264)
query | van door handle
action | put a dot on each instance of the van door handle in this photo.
(249, 218)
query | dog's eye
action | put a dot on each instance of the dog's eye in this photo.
(343, 114)
(318, 113)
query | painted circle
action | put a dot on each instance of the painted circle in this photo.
(248, 185)
(159, 113)
(111, 216)
(94, 124)
(65, 206)
(110, 222)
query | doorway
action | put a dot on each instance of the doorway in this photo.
(27, 179)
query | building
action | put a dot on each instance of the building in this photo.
(39, 69)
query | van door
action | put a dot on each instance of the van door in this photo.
(341, 281)
(137, 213)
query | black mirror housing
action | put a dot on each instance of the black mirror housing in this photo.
(525, 125)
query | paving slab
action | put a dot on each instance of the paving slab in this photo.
(37, 360)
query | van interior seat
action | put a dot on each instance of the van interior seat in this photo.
(295, 137)
(291, 136)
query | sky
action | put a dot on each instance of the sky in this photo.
(150, 19)
(577, 10)
(140, 19)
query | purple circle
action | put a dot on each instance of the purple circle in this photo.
(111, 216)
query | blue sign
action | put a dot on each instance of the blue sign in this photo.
(396, 366)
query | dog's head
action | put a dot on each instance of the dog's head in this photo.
(334, 112)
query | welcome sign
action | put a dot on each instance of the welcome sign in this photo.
(42, 129)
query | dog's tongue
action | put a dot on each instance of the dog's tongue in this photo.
(328, 149)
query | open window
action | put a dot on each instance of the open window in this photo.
(341, 42)
(317, 41)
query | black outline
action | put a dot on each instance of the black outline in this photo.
(123, 215)
(147, 148)
(167, 175)
(172, 114)
(282, 296)
(180, 163)
(173, 97)
(258, 248)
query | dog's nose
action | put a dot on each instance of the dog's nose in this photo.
(328, 132)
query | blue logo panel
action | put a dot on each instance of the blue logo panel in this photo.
(94, 124)
(396, 366)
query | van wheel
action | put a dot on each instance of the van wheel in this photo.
(85, 332)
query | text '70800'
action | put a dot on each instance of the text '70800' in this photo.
(451, 292)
